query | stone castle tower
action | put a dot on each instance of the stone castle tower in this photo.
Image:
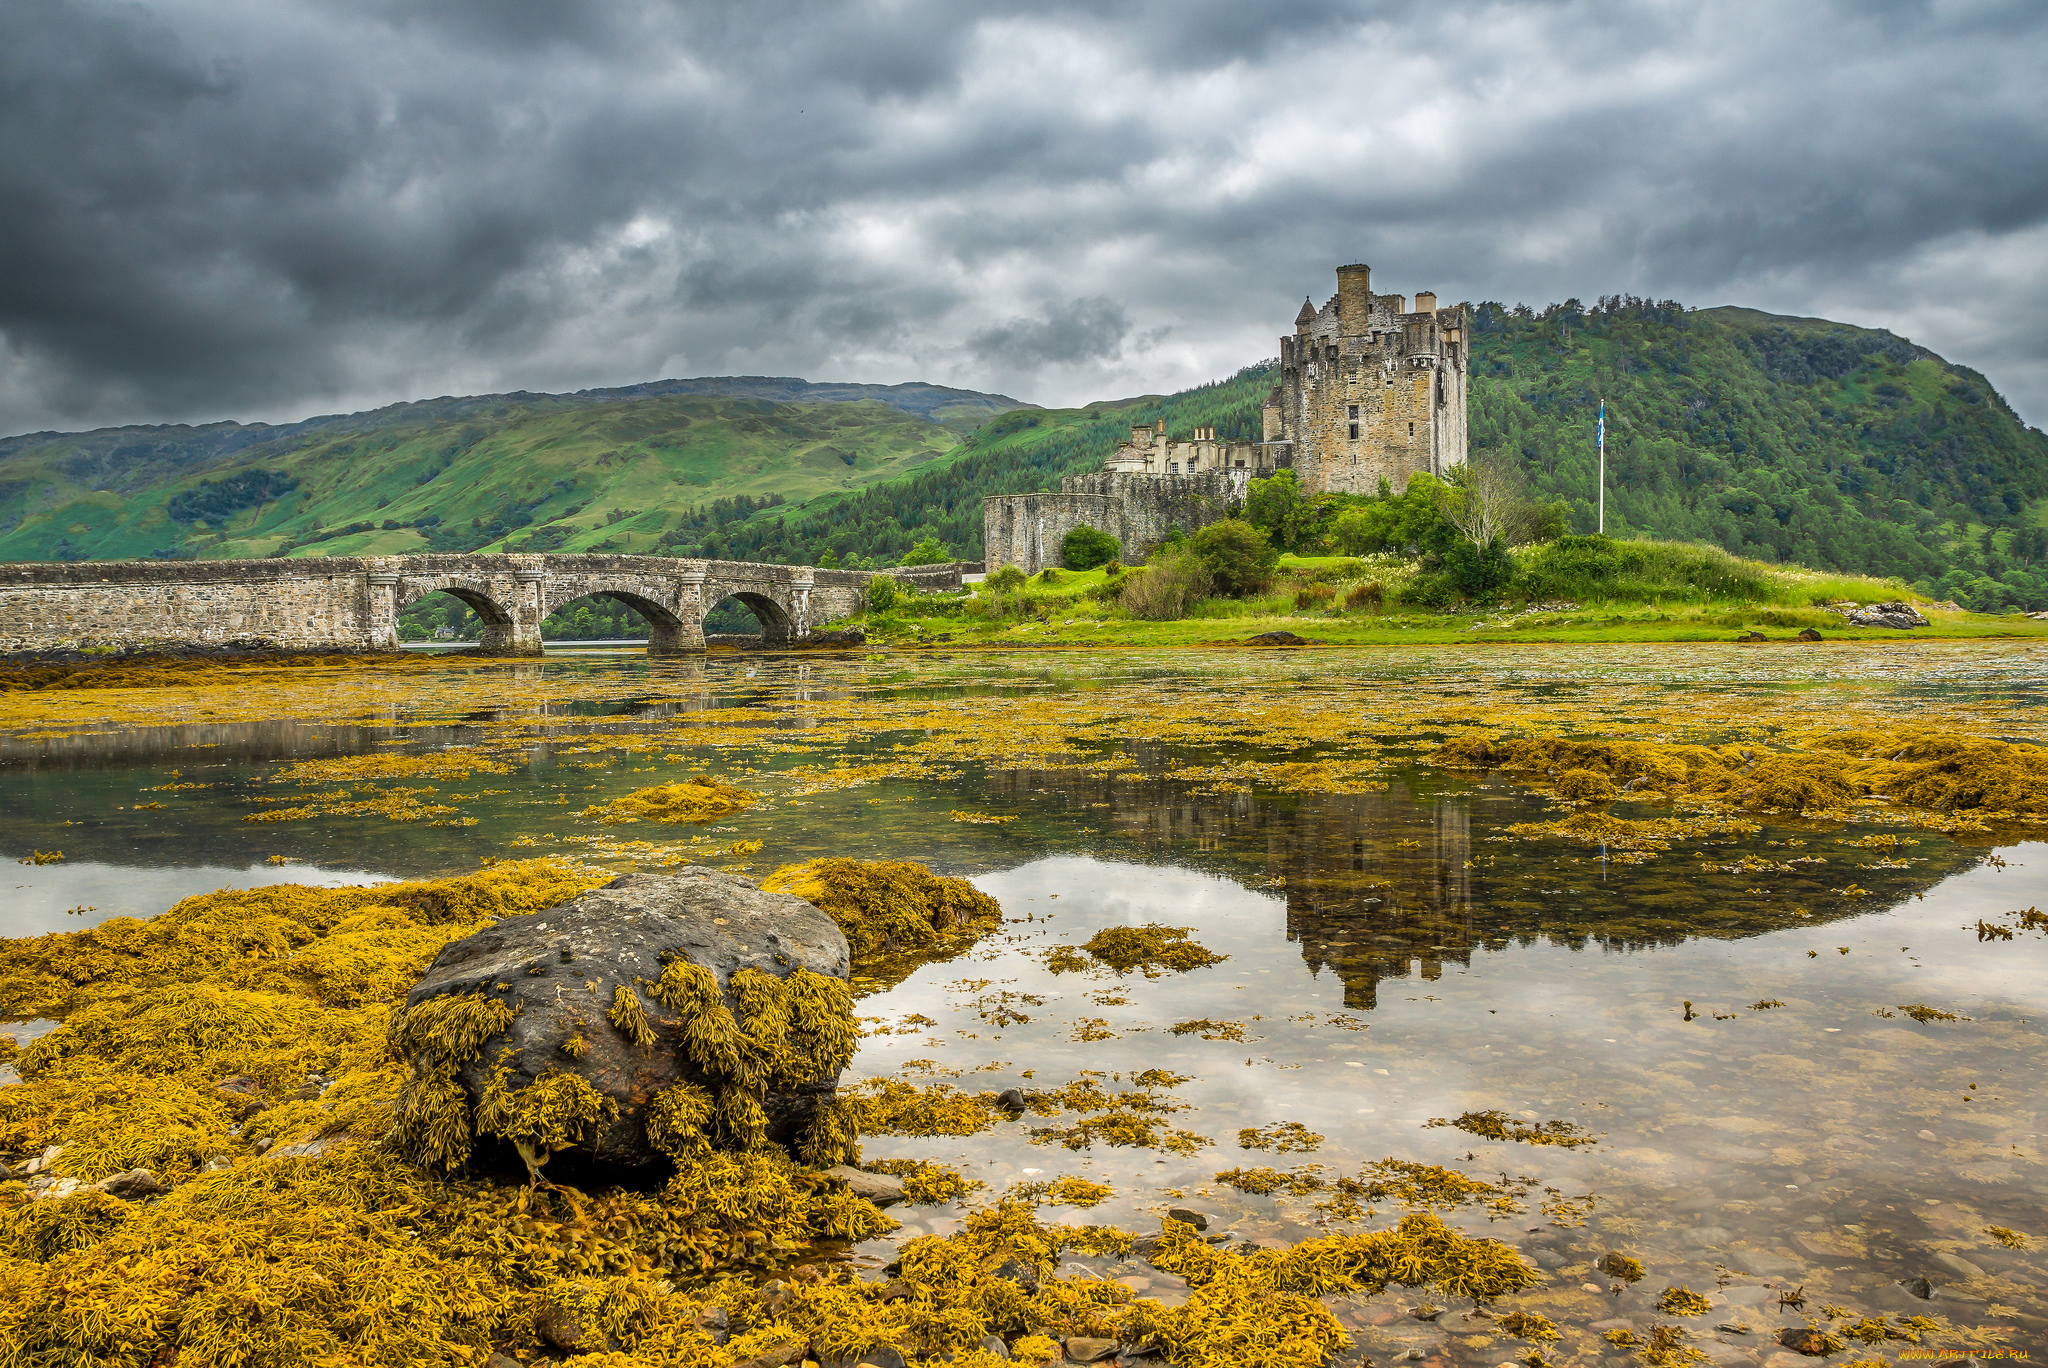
(1369, 390)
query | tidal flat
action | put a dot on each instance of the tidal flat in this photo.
(1720, 962)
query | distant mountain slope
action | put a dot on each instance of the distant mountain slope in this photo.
(615, 467)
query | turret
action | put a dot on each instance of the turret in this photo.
(1354, 299)
(1303, 319)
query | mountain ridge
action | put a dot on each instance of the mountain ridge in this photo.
(918, 397)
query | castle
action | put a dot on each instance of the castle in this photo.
(1369, 390)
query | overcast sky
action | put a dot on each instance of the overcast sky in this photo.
(263, 209)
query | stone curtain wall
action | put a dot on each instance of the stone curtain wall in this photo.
(1024, 530)
(300, 605)
(351, 603)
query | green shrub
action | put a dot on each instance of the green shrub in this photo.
(1431, 589)
(1237, 557)
(883, 594)
(1314, 596)
(1008, 577)
(1050, 576)
(1112, 568)
(1112, 589)
(1171, 583)
(1598, 567)
(1283, 511)
(1372, 594)
(1085, 547)
(929, 551)
(1411, 522)
(1479, 572)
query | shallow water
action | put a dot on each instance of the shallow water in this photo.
(1395, 955)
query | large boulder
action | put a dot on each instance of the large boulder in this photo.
(611, 1027)
(1897, 614)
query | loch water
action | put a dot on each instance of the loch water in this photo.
(1727, 1019)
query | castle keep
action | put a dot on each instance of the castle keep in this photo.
(1369, 390)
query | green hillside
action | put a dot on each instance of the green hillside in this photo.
(1780, 439)
(612, 470)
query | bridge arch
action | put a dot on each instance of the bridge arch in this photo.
(778, 624)
(780, 606)
(498, 630)
(667, 631)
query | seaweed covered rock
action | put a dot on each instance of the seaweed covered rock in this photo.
(892, 908)
(661, 1015)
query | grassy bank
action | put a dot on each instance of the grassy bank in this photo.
(1634, 591)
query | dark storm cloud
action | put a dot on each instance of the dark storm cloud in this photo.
(1077, 331)
(271, 207)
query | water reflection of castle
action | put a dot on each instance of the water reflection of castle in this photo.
(1383, 885)
(1376, 883)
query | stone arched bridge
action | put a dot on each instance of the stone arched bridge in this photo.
(351, 603)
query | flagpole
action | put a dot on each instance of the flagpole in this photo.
(1603, 467)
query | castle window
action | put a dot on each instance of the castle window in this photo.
(1354, 429)
(1411, 429)
(1352, 413)
(1173, 467)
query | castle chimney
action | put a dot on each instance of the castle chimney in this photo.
(1162, 427)
(1354, 299)
(1425, 302)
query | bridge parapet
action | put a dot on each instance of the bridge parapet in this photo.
(352, 603)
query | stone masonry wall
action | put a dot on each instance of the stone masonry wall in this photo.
(1024, 530)
(303, 605)
(352, 603)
